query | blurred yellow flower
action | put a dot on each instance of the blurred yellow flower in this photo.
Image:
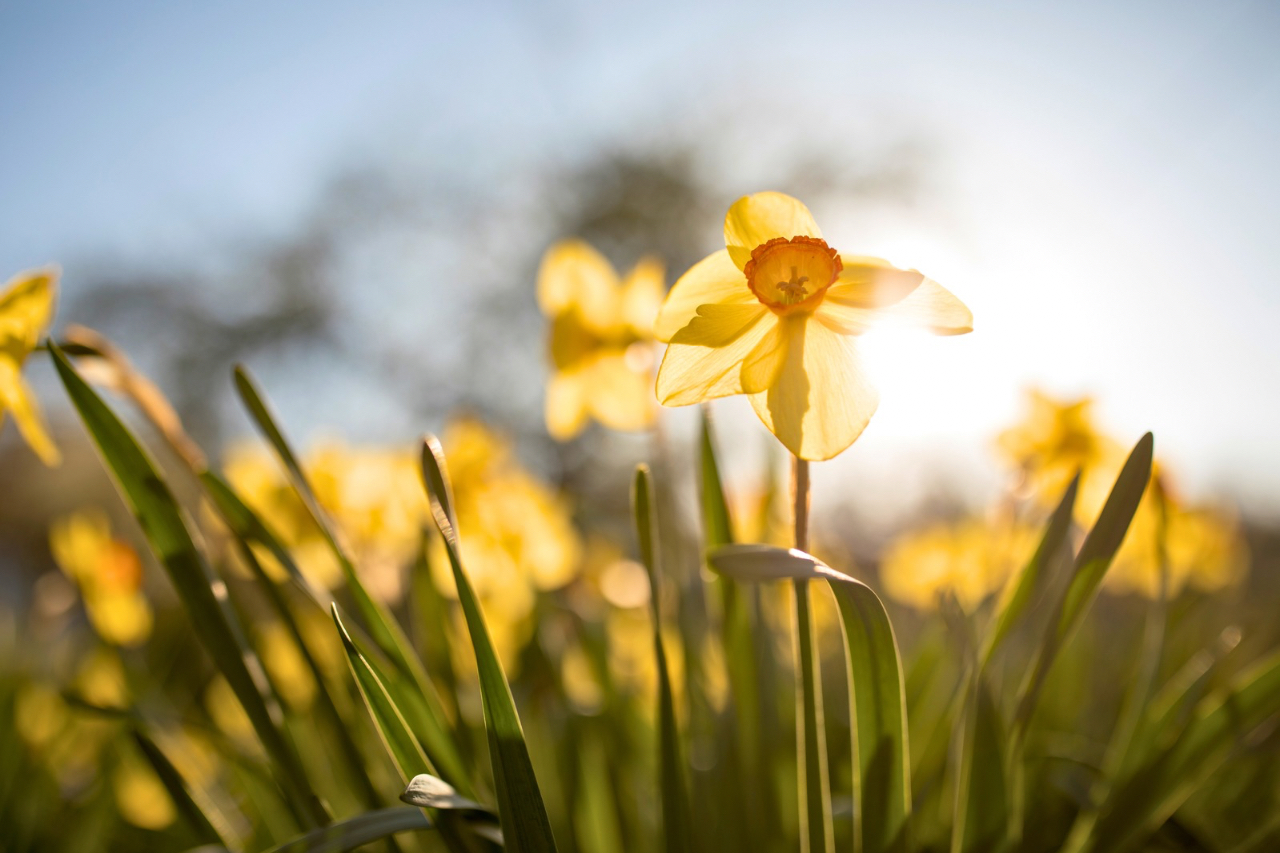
(1200, 546)
(141, 796)
(970, 559)
(601, 339)
(517, 533)
(108, 572)
(776, 316)
(373, 495)
(1056, 439)
(26, 310)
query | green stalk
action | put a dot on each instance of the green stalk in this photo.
(816, 832)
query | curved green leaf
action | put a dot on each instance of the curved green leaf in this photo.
(882, 785)
(357, 831)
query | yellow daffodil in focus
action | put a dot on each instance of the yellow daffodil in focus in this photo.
(776, 316)
(601, 339)
(26, 310)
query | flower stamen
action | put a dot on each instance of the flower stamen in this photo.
(794, 288)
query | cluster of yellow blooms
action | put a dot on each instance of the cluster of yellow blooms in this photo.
(516, 532)
(1189, 546)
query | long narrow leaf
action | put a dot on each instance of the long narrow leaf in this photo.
(1091, 564)
(1148, 797)
(438, 739)
(1053, 545)
(394, 732)
(191, 811)
(525, 824)
(1108, 532)
(677, 821)
(755, 782)
(167, 532)
(882, 785)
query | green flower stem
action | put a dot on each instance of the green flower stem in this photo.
(816, 834)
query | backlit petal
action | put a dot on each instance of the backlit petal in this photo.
(16, 397)
(691, 373)
(714, 279)
(821, 400)
(766, 359)
(852, 308)
(872, 283)
(719, 324)
(575, 277)
(756, 219)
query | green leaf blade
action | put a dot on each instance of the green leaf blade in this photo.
(168, 533)
(525, 824)
(677, 820)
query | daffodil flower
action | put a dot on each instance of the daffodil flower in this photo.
(26, 310)
(776, 316)
(601, 339)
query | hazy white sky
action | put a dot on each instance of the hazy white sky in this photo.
(1108, 185)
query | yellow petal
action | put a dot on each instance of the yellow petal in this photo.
(26, 309)
(620, 397)
(754, 220)
(566, 404)
(642, 292)
(714, 279)
(821, 400)
(575, 277)
(872, 283)
(693, 372)
(16, 397)
(764, 362)
(888, 297)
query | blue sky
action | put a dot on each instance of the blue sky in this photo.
(1108, 192)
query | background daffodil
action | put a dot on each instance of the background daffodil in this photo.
(776, 315)
(601, 339)
(26, 310)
